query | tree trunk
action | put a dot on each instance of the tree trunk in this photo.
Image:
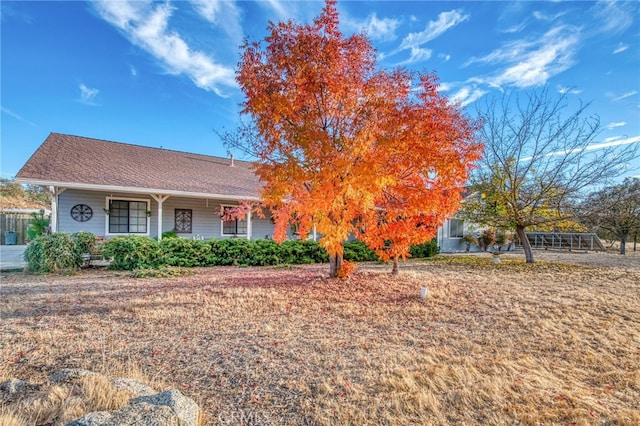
(335, 263)
(526, 246)
(635, 241)
(623, 244)
(394, 269)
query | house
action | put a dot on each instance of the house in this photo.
(111, 188)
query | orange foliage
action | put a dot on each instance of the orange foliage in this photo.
(348, 148)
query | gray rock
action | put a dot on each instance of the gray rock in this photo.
(12, 386)
(70, 374)
(142, 414)
(133, 386)
(185, 408)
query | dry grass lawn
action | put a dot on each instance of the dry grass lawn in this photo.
(554, 343)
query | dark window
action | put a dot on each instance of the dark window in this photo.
(456, 228)
(184, 219)
(127, 217)
(234, 226)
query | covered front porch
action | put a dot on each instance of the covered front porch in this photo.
(108, 214)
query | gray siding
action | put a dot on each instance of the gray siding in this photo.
(449, 244)
(206, 222)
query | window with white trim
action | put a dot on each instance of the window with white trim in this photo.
(456, 228)
(128, 216)
(233, 226)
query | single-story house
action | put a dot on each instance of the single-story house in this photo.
(111, 188)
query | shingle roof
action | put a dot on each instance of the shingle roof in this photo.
(86, 162)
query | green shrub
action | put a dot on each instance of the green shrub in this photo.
(314, 252)
(184, 252)
(428, 249)
(85, 242)
(266, 252)
(302, 252)
(169, 234)
(52, 253)
(232, 251)
(357, 251)
(38, 225)
(131, 252)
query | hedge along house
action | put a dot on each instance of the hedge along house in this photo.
(110, 188)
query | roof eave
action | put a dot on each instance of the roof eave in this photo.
(135, 190)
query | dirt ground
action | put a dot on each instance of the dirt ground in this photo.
(557, 342)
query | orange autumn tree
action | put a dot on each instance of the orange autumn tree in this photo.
(346, 148)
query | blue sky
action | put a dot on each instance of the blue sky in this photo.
(162, 73)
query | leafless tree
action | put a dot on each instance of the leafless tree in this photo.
(541, 154)
(614, 210)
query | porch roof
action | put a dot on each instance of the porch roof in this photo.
(94, 164)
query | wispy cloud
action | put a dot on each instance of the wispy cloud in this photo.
(467, 95)
(418, 54)
(571, 90)
(413, 42)
(613, 16)
(593, 147)
(515, 28)
(626, 95)
(279, 8)
(17, 116)
(222, 13)
(621, 47)
(527, 63)
(446, 21)
(146, 25)
(382, 29)
(613, 125)
(87, 95)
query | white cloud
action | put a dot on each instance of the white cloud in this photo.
(146, 25)
(593, 147)
(618, 142)
(444, 57)
(88, 94)
(626, 95)
(446, 20)
(571, 90)
(530, 63)
(133, 71)
(515, 28)
(222, 13)
(544, 17)
(613, 16)
(621, 47)
(418, 54)
(613, 125)
(17, 116)
(467, 95)
(279, 8)
(380, 29)
(208, 9)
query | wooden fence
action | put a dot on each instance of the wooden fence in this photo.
(17, 223)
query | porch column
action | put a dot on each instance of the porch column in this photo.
(53, 221)
(249, 226)
(160, 199)
(315, 233)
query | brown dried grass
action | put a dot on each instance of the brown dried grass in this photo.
(553, 343)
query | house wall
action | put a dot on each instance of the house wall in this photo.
(449, 244)
(206, 221)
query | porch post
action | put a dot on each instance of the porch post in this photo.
(249, 226)
(160, 199)
(55, 192)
